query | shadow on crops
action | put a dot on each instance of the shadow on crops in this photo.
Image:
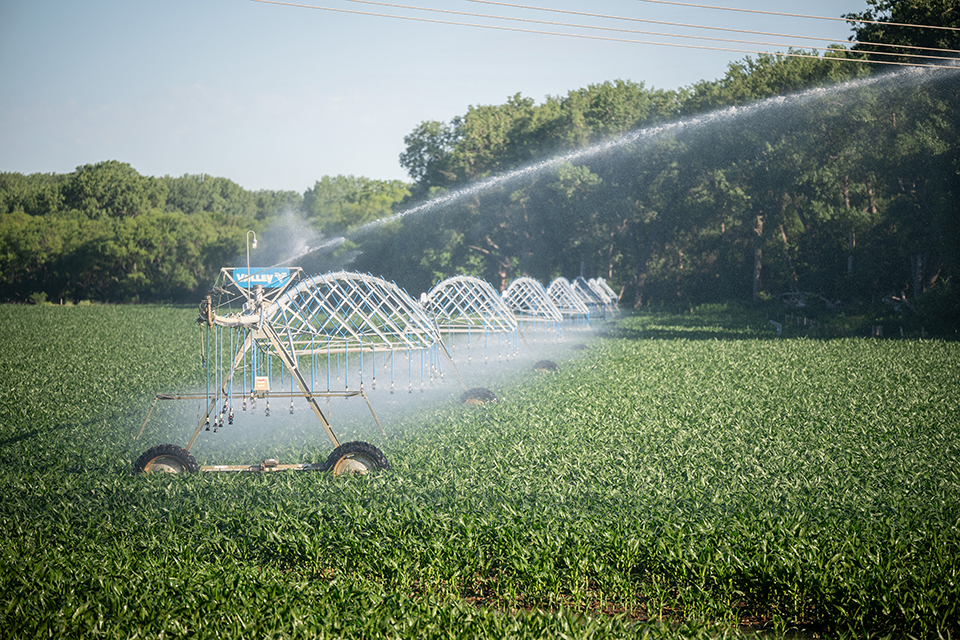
(18, 438)
(33, 433)
(690, 333)
(28, 452)
(707, 322)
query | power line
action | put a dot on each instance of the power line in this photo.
(697, 26)
(798, 15)
(651, 21)
(616, 29)
(584, 36)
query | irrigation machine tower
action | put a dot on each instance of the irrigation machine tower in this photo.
(594, 298)
(608, 295)
(470, 309)
(575, 312)
(532, 307)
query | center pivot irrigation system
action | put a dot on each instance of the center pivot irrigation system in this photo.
(277, 334)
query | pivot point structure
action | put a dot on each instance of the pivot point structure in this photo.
(263, 325)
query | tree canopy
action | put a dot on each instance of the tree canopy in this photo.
(886, 31)
(107, 233)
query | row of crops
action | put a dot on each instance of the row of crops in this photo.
(683, 476)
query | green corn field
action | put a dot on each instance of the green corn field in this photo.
(681, 476)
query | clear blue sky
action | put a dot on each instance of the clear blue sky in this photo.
(276, 97)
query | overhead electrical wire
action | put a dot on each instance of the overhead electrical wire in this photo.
(582, 26)
(711, 28)
(570, 35)
(516, 29)
(616, 29)
(798, 15)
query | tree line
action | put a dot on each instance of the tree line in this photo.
(107, 233)
(789, 174)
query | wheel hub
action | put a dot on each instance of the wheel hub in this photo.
(353, 464)
(165, 464)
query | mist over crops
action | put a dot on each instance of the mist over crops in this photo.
(692, 469)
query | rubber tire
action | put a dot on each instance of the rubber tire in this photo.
(167, 458)
(478, 395)
(356, 457)
(546, 365)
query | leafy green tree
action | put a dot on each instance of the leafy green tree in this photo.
(157, 256)
(923, 159)
(609, 109)
(337, 204)
(202, 193)
(887, 28)
(427, 151)
(36, 194)
(920, 166)
(113, 189)
(488, 139)
(28, 245)
(273, 203)
(768, 75)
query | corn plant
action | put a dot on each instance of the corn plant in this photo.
(688, 470)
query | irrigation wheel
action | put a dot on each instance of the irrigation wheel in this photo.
(546, 365)
(166, 458)
(356, 457)
(478, 395)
